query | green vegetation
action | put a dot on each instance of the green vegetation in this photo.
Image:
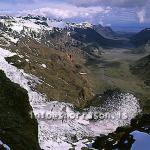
(62, 81)
(17, 129)
(61, 78)
(113, 71)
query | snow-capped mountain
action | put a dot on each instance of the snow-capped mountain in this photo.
(14, 28)
(35, 24)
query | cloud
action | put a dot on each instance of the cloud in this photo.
(112, 3)
(68, 11)
(141, 15)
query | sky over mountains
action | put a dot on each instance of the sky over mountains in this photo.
(116, 13)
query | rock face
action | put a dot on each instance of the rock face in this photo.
(57, 131)
(141, 69)
(17, 129)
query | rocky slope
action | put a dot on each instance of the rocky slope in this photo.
(142, 69)
(106, 32)
(141, 38)
(46, 44)
(17, 129)
(141, 41)
(59, 49)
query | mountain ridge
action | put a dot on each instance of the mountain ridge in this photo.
(141, 38)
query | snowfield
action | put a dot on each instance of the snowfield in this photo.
(62, 127)
(15, 28)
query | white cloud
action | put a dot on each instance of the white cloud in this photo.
(141, 15)
(68, 11)
(112, 3)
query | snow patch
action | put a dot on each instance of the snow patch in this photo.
(44, 66)
(27, 60)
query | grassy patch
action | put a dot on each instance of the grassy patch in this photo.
(61, 78)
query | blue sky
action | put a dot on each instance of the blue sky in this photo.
(116, 13)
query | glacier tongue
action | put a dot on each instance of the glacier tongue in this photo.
(60, 125)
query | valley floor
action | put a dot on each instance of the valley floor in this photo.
(112, 71)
